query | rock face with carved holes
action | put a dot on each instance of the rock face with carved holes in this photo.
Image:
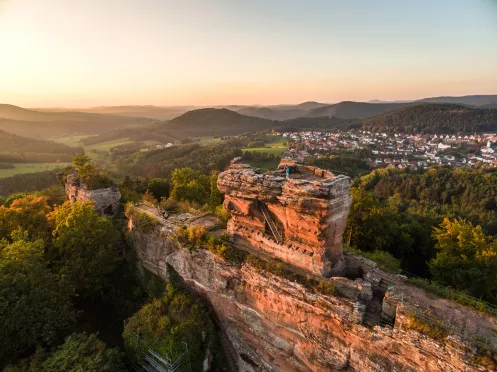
(299, 218)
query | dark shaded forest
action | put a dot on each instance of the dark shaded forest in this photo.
(434, 118)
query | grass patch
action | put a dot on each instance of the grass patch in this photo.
(322, 287)
(384, 260)
(276, 151)
(431, 328)
(264, 165)
(195, 237)
(141, 219)
(107, 145)
(22, 168)
(454, 295)
(73, 141)
(485, 357)
(274, 147)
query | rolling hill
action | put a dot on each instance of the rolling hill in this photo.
(276, 112)
(209, 121)
(478, 100)
(45, 125)
(354, 110)
(280, 112)
(17, 149)
(434, 118)
(11, 142)
(150, 112)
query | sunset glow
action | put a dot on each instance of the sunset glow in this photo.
(93, 53)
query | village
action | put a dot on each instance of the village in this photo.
(397, 150)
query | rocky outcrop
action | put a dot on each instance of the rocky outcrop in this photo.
(105, 200)
(279, 325)
(308, 209)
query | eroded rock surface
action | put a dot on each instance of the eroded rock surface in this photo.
(309, 209)
(106, 200)
(278, 325)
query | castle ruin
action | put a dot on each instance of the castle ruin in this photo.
(295, 213)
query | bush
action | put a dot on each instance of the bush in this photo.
(222, 213)
(431, 328)
(322, 286)
(142, 220)
(454, 295)
(184, 206)
(384, 260)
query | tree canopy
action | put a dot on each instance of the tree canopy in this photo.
(35, 304)
(84, 246)
(466, 258)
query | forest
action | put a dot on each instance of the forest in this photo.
(70, 298)
(434, 118)
(440, 223)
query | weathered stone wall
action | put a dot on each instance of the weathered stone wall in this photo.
(106, 201)
(310, 208)
(279, 325)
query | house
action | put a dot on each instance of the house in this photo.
(442, 146)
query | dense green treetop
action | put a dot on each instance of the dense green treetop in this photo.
(35, 304)
(84, 246)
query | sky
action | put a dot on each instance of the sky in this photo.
(73, 53)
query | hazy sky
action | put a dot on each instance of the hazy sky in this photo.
(165, 52)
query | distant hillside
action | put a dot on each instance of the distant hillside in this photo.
(479, 100)
(44, 125)
(310, 105)
(17, 149)
(150, 112)
(319, 123)
(276, 112)
(216, 122)
(434, 118)
(18, 113)
(354, 110)
(266, 113)
(11, 142)
(149, 133)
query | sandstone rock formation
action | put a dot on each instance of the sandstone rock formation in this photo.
(106, 200)
(309, 209)
(279, 325)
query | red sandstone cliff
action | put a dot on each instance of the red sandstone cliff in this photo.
(278, 325)
(309, 208)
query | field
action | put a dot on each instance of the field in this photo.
(106, 146)
(275, 147)
(269, 150)
(22, 168)
(263, 165)
(72, 141)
